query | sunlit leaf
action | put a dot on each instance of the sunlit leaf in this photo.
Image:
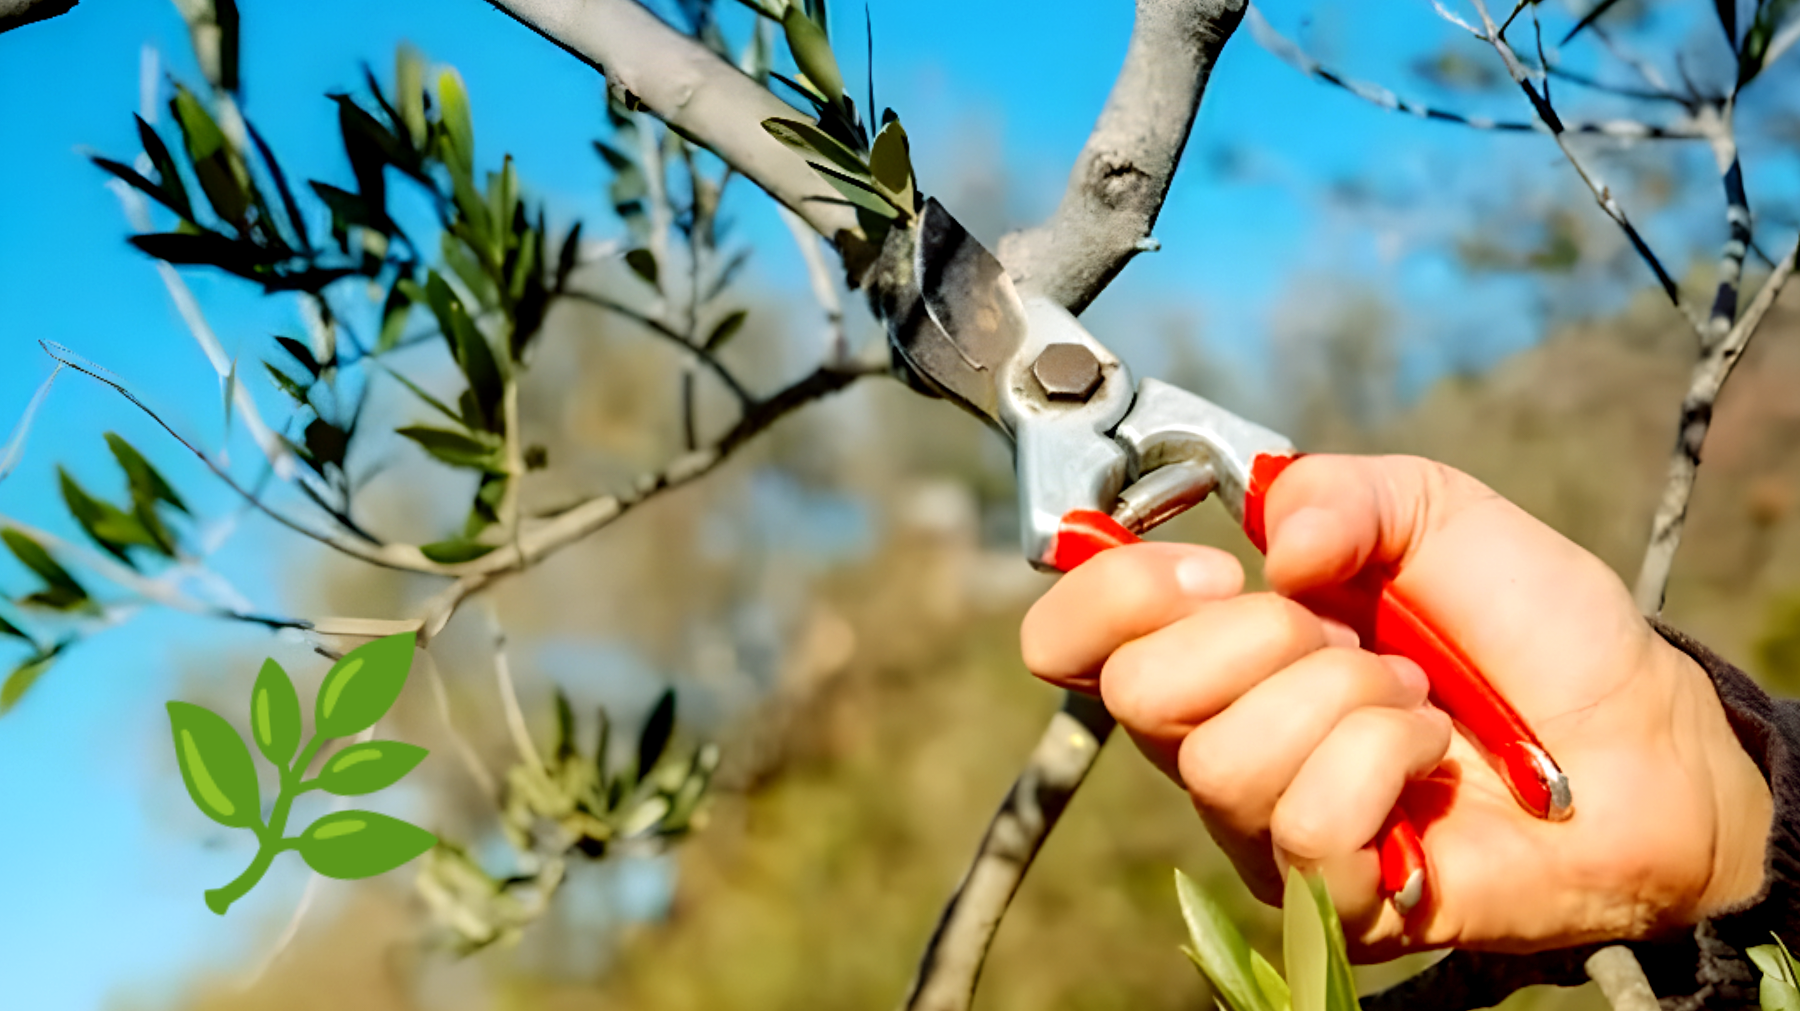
(1218, 948)
(890, 162)
(361, 844)
(1318, 964)
(215, 766)
(61, 592)
(812, 53)
(409, 93)
(817, 146)
(453, 552)
(369, 766)
(458, 449)
(459, 132)
(275, 714)
(24, 676)
(362, 686)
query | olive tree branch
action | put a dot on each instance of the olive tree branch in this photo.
(702, 97)
(1708, 377)
(19, 13)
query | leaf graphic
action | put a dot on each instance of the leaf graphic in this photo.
(216, 766)
(362, 686)
(370, 766)
(361, 844)
(275, 714)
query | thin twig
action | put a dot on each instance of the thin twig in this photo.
(668, 333)
(509, 699)
(1709, 375)
(1621, 979)
(15, 446)
(824, 287)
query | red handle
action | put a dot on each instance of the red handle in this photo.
(1395, 625)
(1085, 533)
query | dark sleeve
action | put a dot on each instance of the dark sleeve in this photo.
(1705, 968)
(1769, 730)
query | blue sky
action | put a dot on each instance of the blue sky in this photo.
(104, 857)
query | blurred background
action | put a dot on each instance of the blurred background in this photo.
(836, 608)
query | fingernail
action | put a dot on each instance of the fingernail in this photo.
(1411, 674)
(1339, 634)
(1205, 577)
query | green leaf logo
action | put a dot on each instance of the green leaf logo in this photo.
(363, 686)
(221, 776)
(361, 844)
(216, 766)
(275, 714)
(365, 768)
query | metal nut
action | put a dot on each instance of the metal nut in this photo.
(1067, 371)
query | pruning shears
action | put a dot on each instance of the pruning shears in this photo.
(1101, 459)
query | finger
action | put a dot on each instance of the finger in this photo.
(1163, 685)
(1241, 762)
(1115, 597)
(1344, 791)
(1330, 516)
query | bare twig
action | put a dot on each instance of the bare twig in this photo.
(1621, 979)
(1122, 175)
(1603, 194)
(509, 699)
(1064, 754)
(837, 343)
(1709, 375)
(692, 89)
(668, 333)
(15, 446)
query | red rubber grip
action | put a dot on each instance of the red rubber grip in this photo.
(1397, 626)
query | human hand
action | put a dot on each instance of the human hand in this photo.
(1295, 744)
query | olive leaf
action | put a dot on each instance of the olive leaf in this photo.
(25, 675)
(454, 551)
(654, 738)
(369, 766)
(61, 592)
(361, 844)
(362, 686)
(458, 449)
(459, 132)
(726, 329)
(275, 714)
(890, 162)
(812, 53)
(216, 766)
(1318, 964)
(1221, 953)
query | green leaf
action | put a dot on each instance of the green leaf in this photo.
(459, 132)
(275, 714)
(300, 353)
(61, 591)
(216, 766)
(817, 146)
(812, 54)
(110, 527)
(603, 740)
(409, 93)
(24, 676)
(1759, 39)
(419, 391)
(326, 443)
(1219, 949)
(288, 384)
(654, 738)
(642, 263)
(727, 329)
(198, 128)
(361, 844)
(362, 686)
(393, 318)
(135, 180)
(455, 551)
(146, 484)
(8, 628)
(1270, 982)
(568, 257)
(1603, 6)
(168, 177)
(208, 249)
(469, 347)
(890, 162)
(565, 727)
(457, 448)
(616, 159)
(369, 766)
(1318, 964)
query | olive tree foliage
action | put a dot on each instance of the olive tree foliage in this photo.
(692, 110)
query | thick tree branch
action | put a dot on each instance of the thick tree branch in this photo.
(687, 86)
(1122, 175)
(1709, 375)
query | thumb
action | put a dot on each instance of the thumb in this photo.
(1330, 517)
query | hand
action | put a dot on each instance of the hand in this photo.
(1295, 744)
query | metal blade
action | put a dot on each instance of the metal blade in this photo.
(980, 323)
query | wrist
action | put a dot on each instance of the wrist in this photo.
(1742, 805)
